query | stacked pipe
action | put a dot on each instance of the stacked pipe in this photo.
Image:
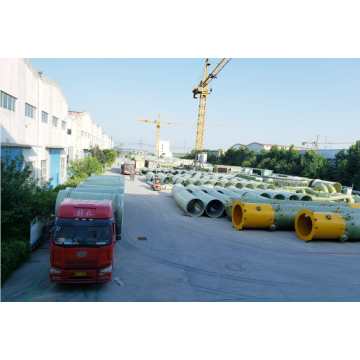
(213, 207)
(192, 205)
(98, 187)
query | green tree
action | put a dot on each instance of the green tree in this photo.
(22, 199)
(98, 154)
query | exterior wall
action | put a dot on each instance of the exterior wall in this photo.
(327, 153)
(36, 139)
(85, 134)
(164, 148)
(19, 79)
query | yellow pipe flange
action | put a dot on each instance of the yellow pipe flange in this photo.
(357, 205)
(258, 216)
(319, 225)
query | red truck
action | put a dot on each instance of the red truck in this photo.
(82, 241)
(128, 167)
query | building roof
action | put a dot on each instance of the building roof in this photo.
(256, 143)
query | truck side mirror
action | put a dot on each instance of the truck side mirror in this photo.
(118, 237)
(118, 230)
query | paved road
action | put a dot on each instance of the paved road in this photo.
(200, 259)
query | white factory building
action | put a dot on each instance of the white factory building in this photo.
(258, 146)
(164, 148)
(36, 123)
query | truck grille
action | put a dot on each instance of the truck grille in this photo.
(83, 264)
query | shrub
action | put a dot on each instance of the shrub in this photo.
(13, 253)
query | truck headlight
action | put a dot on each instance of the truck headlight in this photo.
(106, 270)
(54, 271)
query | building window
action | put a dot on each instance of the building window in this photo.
(30, 111)
(43, 171)
(82, 133)
(44, 117)
(7, 101)
(63, 125)
(55, 121)
(32, 165)
(62, 167)
(69, 131)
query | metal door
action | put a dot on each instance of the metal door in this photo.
(55, 167)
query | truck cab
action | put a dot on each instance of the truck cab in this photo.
(128, 167)
(82, 241)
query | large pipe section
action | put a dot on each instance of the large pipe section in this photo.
(316, 182)
(98, 190)
(256, 215)
(149, 176)
(244, 184)
(163, 179)
(213, 207)
(99, 184)
(329, 226)
(192, 205)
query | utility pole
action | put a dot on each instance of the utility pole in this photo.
(140, 144)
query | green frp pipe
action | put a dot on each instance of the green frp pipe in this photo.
(223, 183)
(106, 182)
(245, 192)
(322, 207)
(149, 176)
(268, 186)
(117, 199)
(163, 179)
(173, 178)
(255, 193)
(331, 189)
(285, 215)
(213, 207)
(347, 198)
(144, 170)
(321, 188)
(333, 205)
(244, 184)
(101, 178)
(177, 187)
(199, 182)
(181, 181)
(225, 191)
(94, 176)
(98, 190)
(315, 192)
(306, 198)
(257, 185)
(215, 194)
(315, 182)
(104, 185)
(190, 181)
(210, 182)
(192, 205)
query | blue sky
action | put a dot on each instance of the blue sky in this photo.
(283, 101)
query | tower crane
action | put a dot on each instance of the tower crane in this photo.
(316, 143)
(159, 123)
(202, 90)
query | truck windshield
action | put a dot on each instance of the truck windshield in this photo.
(83, 236)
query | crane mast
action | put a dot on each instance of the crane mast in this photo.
(159, 123)
(202, 90)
